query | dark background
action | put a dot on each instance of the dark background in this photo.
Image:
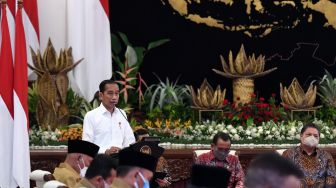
(303, 52)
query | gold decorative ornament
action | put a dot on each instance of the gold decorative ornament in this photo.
(52, 85)
(254, 18)
(206, 97)
(243, 70)
(295, 98)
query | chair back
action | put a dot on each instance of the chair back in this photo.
(40, 177)
(54, 184)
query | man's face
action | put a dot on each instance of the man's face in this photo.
(291, 182)
(222, 145)
(87, 159)
(110, 96)
(131, 176)
(147, 174)
(309, 132)
(109, 180)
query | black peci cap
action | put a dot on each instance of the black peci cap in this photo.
(129, 157)
(84, 147)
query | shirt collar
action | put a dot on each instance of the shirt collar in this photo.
(67, 166)
(103, 110)
(315, 153)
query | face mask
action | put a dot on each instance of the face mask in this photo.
(82, 170)
(145, 182)
(220, 155)
(311, 141)
(106, 185)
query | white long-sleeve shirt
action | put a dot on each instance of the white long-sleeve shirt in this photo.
(106, 130)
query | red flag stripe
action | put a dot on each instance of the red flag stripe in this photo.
(6, 64)
(20, 63)
(105, 5)
(11, 6)
(30, 7)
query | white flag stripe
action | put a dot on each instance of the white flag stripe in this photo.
(21, 155)
(31, 40)
(6, 149)
(88, 32)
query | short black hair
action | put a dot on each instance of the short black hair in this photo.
(104, 83)
(101, 165)
(122, 171)
(140, 132)
(221, 135)
(270, 169)
(310, 125)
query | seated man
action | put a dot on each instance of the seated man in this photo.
(135, 169)
(79, 157)
(100, 173)
(317, 165)
(270, 170)
(219, 156)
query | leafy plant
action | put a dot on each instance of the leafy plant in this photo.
(32, 104)
(172, 112)
(327, 89)
(128, 59)
(165, 93)
(88, 106)
(327, 113)
(75, 105)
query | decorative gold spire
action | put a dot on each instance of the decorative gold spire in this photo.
(295, 98)
(243, 66)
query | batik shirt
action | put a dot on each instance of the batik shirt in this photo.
(318, 168)
(231, 163)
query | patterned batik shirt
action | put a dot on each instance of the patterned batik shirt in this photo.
(231, 163)
(318, 168)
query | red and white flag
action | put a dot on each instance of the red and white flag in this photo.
(6, 102)
(31, 28)
(88, 33)
(21, 155)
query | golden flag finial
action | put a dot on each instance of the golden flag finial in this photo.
(20, 3)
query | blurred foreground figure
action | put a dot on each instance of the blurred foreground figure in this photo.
(209, 176)
(270, 170)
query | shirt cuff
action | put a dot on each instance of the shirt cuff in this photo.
(102, 150)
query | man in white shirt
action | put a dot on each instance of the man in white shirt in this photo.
(107, 125)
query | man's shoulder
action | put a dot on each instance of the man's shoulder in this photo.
(233, 157)
(205, 156)
(92, 112)
(84, 183)
(292, 149)
(119, 183)
(121, 111)
(324, 153)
